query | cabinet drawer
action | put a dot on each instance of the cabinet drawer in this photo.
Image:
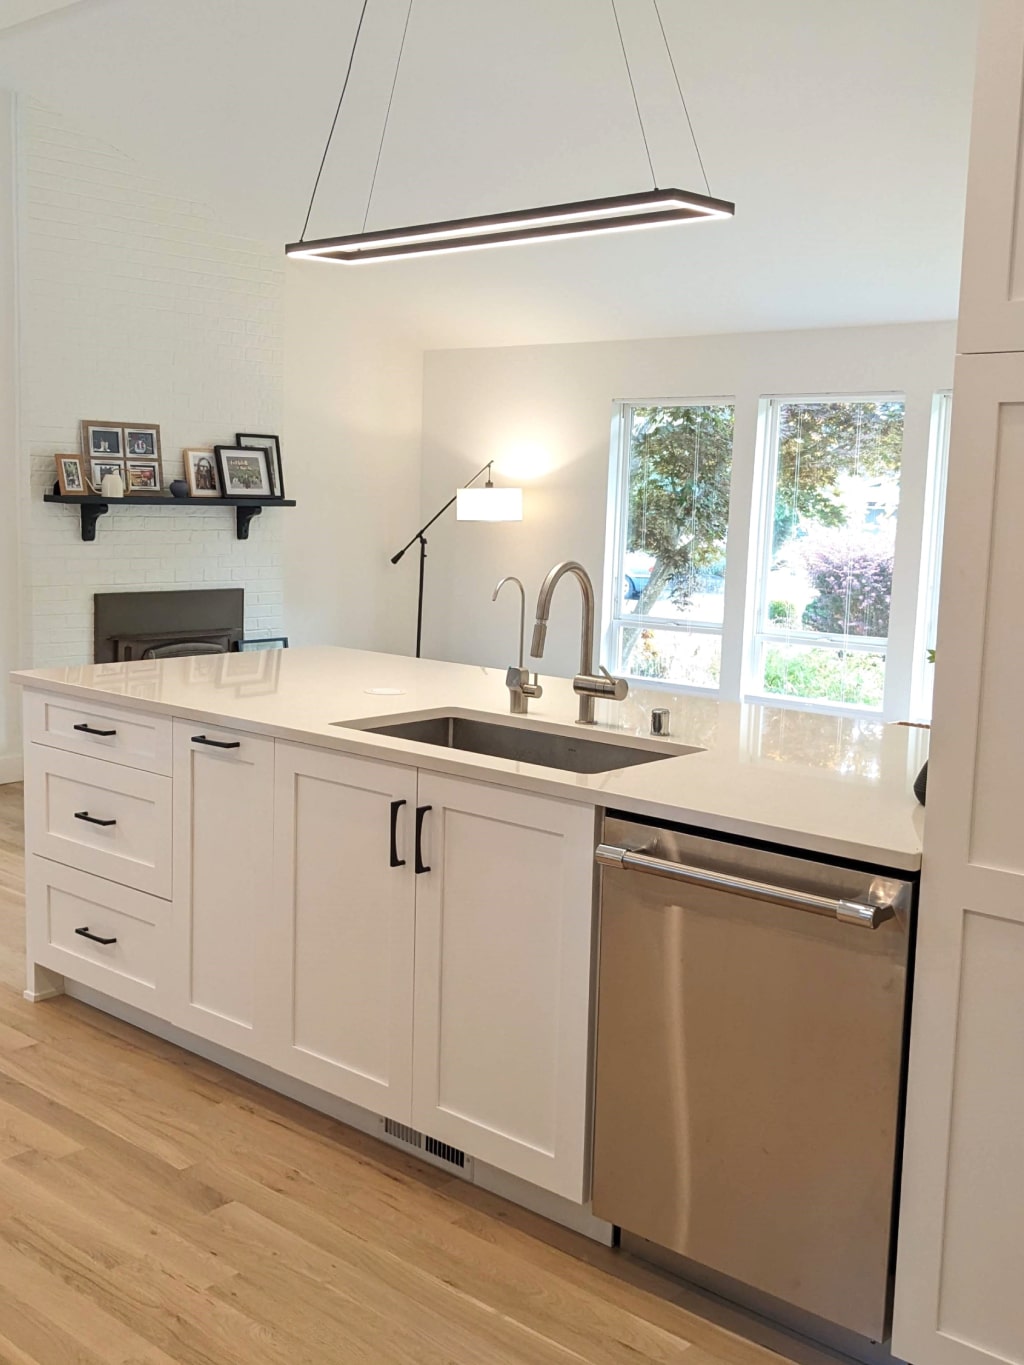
(65, 907)
(114, 822)
(119, 735)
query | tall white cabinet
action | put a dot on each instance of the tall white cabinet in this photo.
(960, 1272)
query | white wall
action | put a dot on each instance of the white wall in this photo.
(353, 404)
(544, 414)
(10, 598)
(136, 306)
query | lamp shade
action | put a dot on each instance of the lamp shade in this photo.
(489, 504)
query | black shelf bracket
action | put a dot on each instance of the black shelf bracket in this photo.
(243, 516)
(91, 513)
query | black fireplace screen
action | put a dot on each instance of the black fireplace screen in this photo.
(156, 625)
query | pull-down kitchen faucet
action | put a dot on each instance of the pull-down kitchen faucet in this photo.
(588, 685)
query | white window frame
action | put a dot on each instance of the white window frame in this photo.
(751, 517)
(615, 549)
(758, 637)
(931, 555)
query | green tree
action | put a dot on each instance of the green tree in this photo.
(819, 442)
(680, 465)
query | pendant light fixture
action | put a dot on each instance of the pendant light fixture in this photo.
(583, 218)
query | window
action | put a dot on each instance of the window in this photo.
(829, 510)
(809, 502)
(669, 542)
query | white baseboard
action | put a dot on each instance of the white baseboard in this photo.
(577, 1217)
(12, 769)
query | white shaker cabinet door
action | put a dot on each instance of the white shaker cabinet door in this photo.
(992, 281)
(504, 915)
(223, 837)
(960, 1268)
(344, 926)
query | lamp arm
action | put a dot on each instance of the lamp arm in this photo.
(484, 470)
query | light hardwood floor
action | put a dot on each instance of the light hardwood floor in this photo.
(156, 1208)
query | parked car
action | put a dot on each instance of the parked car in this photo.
(637, 569)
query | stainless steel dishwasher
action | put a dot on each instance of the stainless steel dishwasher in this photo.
(750, 1050)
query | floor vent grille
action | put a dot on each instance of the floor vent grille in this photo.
(403, 1133)
(430, 1149)
(452, 1155)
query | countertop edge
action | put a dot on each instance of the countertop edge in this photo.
(481, 768)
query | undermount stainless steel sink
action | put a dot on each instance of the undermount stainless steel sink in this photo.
(524, 744)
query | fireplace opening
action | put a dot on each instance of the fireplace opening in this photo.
(162, 625)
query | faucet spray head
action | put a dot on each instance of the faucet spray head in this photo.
(540, 635)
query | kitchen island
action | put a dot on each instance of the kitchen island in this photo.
(398, 932)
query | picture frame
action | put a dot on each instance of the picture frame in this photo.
(142, 476)
(272, 445)
(125, 441)
(102, 439)
(71, 476)
(244, 471)
(103, 466)
(142, 441)
(202, 474)
(263, 643)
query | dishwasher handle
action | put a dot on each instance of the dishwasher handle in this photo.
(865, 913)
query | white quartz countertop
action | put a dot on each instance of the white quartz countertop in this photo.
(831, 784)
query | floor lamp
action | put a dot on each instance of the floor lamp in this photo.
(474, 504)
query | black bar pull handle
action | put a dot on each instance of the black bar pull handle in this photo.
(396, 806)
(91, 730)
(217, 743)
(421, 812)
(84, 931)
(93, 819)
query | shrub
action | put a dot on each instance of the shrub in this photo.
(782, 613)
(817, 674)
(854, 584)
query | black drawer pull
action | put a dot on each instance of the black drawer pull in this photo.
(91, 730)
(421, 812)
(95, 937)
(93, 819)
(217, 743)
(396, 861)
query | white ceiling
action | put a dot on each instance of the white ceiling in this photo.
(839, 127)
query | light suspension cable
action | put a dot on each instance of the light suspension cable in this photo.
(334, 122)
(387, 117)
(682, 97)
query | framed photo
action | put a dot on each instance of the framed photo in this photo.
(71, 475)
(102, 439)
(269, 642)
(142, 442)
(244, 471)
(143, 476)
(272, 445)
(201, 474)
(101, 468)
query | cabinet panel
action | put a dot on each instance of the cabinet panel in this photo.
(223, 803)
(503, 969)
(345, 925)
(118, 734)
(980, 1298)
(101, 817)
(992, 286)
(128, 963)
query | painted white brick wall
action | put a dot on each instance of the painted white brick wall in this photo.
(135, 306)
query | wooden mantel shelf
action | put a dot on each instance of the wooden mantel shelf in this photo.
(93, 506)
